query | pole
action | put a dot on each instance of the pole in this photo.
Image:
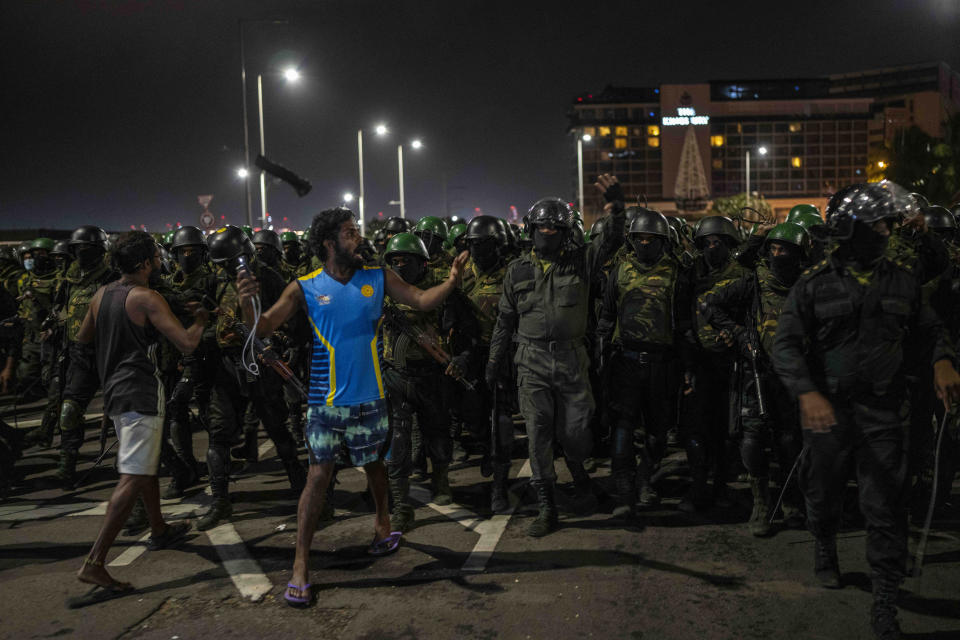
(263, 152)
(580, 172)
(403, 210)
(748, 177)
(246, 134)
(363, 224)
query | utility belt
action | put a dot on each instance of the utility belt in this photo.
(648, 355)
(550, 345)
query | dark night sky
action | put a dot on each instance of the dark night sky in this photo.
(123, 112)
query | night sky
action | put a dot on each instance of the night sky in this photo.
(123, 112)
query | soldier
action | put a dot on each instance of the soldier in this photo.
(412, 378)
(293, 253)
(89, 272)
(487, 266)
(706, 420)
(231, 249)
(455, 241)
(544, 308)
(10, 272)
(844, 338)
(756, 299)
(646, 314)
(433, 232)
(380, 240)
(61, 256)
(808, 216)
(36, 295)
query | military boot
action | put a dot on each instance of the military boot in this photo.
(760, 516)
(66, 471)
(218, 460)
(403, 515)
(179, 483)
(584, 500)
(883, 613)
(137, 521)
(546, 520)
(826, 566)
(624, 480)
(248, 450)
(418, 454)
(296, 474)
(440, 490)
(648, 495)
(499, 502)
(40, 436)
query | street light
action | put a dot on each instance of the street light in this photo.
(348, 197)
(291, 75)
(580, 140)
(380, 130)
(416, 144)
(242, 172)
(762, 151)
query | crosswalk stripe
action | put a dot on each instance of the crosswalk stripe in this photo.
(246, 574)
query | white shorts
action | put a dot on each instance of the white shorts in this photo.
(140, 437)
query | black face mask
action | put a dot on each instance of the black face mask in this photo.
(866, 245)
(485, 255)
(412, 271)
(648, 253)
(547, 245)
(61, 263)
(89, 258)
(716, 256)
(785, 268)
(268, 256)
(292, 254)
(42, 264)
(189, 264)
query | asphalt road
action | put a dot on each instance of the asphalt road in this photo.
(458, 574)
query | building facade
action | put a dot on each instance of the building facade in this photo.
(805, 137)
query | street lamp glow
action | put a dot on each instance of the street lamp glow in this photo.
(242, 173)
(291, 74)
(762, 151)
(416, 144)
(381, 129)
(587, 137)
(348, 197)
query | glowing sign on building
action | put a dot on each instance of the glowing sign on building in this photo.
(685, 116)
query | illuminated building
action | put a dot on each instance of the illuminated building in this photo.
(817, 133)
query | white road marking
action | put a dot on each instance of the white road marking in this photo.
(131, 553)
(246, 574)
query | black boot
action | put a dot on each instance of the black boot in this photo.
(826, 566)
(296, 474)
(584, 501)
(403, 515)
(499, 502)
(218, 460)
(137, 521)
(760, 516)
(440, 490)
(546, 520)
(624, 478)
(248, 450)
(883, 613)
(648, 495)
(66, 471)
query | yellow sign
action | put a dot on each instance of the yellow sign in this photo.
(366, 290)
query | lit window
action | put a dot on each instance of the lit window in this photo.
(717, 163)
(653, 130)
(621, 131)
(739, 128)
(619, 143)
(796, 162)
(795, 127)
(604, 131)
(653, 142)
(590, 131)
(716, 141)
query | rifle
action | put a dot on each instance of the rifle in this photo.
(428, 343)
(272, 360)
(495, 423)
(761, 403)
(754, 345)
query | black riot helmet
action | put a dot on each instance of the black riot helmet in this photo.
(940, 220)
(715, 226)
(868, 203)
(629, 214)
(88, 235)
(650, 221)
(380, 240)
(268, 237)
(552, 211)
(486, 242)
(507, 238)
(187, 237)
(61, 248)
(483, 227)
(597, 228)
(227, 244)
(395, 225)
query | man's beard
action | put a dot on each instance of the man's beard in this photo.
(346, 259)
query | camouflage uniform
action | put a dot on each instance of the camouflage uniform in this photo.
(36, 304)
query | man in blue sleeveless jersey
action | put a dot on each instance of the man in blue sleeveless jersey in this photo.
(343, 302)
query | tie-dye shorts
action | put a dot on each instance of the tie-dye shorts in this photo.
(364, 429)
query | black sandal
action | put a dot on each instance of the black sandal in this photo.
(174, 533)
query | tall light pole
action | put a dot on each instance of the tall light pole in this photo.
(762, 150)
(580, 140)
(246, 125)
(381, 129)
(416, 144)
(291, 75)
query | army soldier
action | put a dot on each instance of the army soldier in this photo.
(646, 314)
(544, 308)
(37, 292)
(293, 253)
(89, 272)
(746, 311)
(61, 256)
(842, 347)
(706, 422)
(231, 249)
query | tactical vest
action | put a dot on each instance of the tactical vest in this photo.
(402, 350)
(707, 335)
(772, 296)
(645, 301)
(81, 290)
(37, 303)
(552, 299)
(483, 291)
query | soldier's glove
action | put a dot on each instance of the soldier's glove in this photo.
(458, 365)
(614, 193)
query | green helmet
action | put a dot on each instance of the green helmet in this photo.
(288, 237)
(43, 243)
(456, 231)
(305, 235)
(406, 243)
(788, 233)
(247, 229)
(436, 226)
(802, 209)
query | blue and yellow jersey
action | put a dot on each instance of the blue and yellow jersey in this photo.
(345, 322)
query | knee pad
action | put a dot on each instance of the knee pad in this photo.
(71, 415)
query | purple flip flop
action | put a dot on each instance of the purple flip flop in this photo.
(386, 546)
(298, 602)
